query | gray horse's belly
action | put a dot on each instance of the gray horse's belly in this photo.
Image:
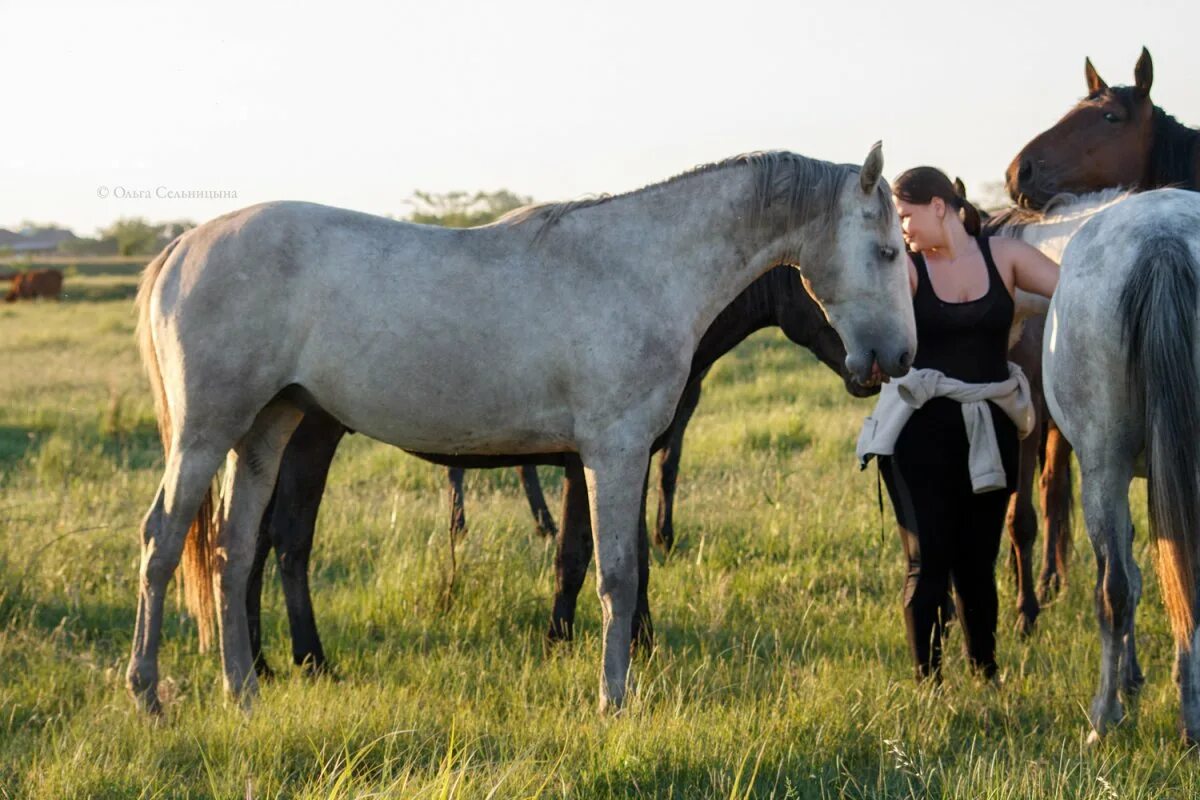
(445, 408)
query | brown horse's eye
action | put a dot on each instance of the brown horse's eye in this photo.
(1111, 117)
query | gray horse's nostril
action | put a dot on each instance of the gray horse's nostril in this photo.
(905, 360)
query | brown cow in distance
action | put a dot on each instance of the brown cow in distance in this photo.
(35, 283)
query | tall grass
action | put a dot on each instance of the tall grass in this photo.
(781, 670)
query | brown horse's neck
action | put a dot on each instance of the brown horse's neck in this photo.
(1175, 156)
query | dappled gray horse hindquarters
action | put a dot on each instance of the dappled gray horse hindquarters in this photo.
(1121, 378)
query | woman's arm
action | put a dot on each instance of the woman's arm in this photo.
(1032, 271)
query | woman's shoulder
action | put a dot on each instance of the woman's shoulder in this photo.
(1006, 245)
(1006, 251)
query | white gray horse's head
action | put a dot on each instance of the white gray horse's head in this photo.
(859, 276)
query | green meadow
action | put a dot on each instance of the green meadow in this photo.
(781, 668)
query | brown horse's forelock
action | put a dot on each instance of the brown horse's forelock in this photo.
(808, 186)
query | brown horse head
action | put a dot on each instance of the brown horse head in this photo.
(1106, 140)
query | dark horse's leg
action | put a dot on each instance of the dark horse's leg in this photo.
(458, 514)
(537, 500)
(1022, 530)
(668, 465)
(288, 526)
(1022, 519)
(1057, 504)
(574, 551)
(574, 554)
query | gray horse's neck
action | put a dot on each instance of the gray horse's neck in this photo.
(1051, 229)
(690, 249)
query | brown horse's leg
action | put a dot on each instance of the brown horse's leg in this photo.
(574, 551)
(458, 514)
(537, 500)
(1057, 504)
(1022, 530)
(668, 466)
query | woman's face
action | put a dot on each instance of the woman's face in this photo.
(922, 224)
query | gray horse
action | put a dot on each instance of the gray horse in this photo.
(419, 337)
(1122, 381)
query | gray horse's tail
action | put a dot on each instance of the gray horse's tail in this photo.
(1158, 320)
(198, 546)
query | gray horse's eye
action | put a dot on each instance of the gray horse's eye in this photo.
(888, 253)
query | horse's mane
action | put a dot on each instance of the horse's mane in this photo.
(1011, 221)
(807, 185)
(1173, 157)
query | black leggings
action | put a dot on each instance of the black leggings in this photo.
(948, 531)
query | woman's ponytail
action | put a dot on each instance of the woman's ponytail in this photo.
(971, 218)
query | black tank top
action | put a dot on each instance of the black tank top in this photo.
(967, 341)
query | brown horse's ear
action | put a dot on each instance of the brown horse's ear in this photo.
(872, 168)
(1143, 74)
(1095, 83)
(960, 188)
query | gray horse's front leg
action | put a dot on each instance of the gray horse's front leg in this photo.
(615, 476)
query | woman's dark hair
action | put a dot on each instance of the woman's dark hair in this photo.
(920, 185)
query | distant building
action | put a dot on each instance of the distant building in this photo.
(38, 240)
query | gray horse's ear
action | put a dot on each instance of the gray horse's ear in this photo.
(1143, 74)
(872, 168)
(1094, 82)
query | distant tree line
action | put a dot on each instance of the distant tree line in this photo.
(135, 236)
(132, 236)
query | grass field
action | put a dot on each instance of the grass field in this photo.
(781, 669)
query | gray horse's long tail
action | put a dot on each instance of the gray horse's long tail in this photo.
(197, 547)
(1158, 320)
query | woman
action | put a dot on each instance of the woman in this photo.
(947, 433)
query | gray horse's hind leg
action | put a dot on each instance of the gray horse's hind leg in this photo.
(1187, 677)
(251, 470)
(1131, 671)
(1106, 509)
(615, 476)
(187, 478)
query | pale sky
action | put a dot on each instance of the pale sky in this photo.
(357, 104)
